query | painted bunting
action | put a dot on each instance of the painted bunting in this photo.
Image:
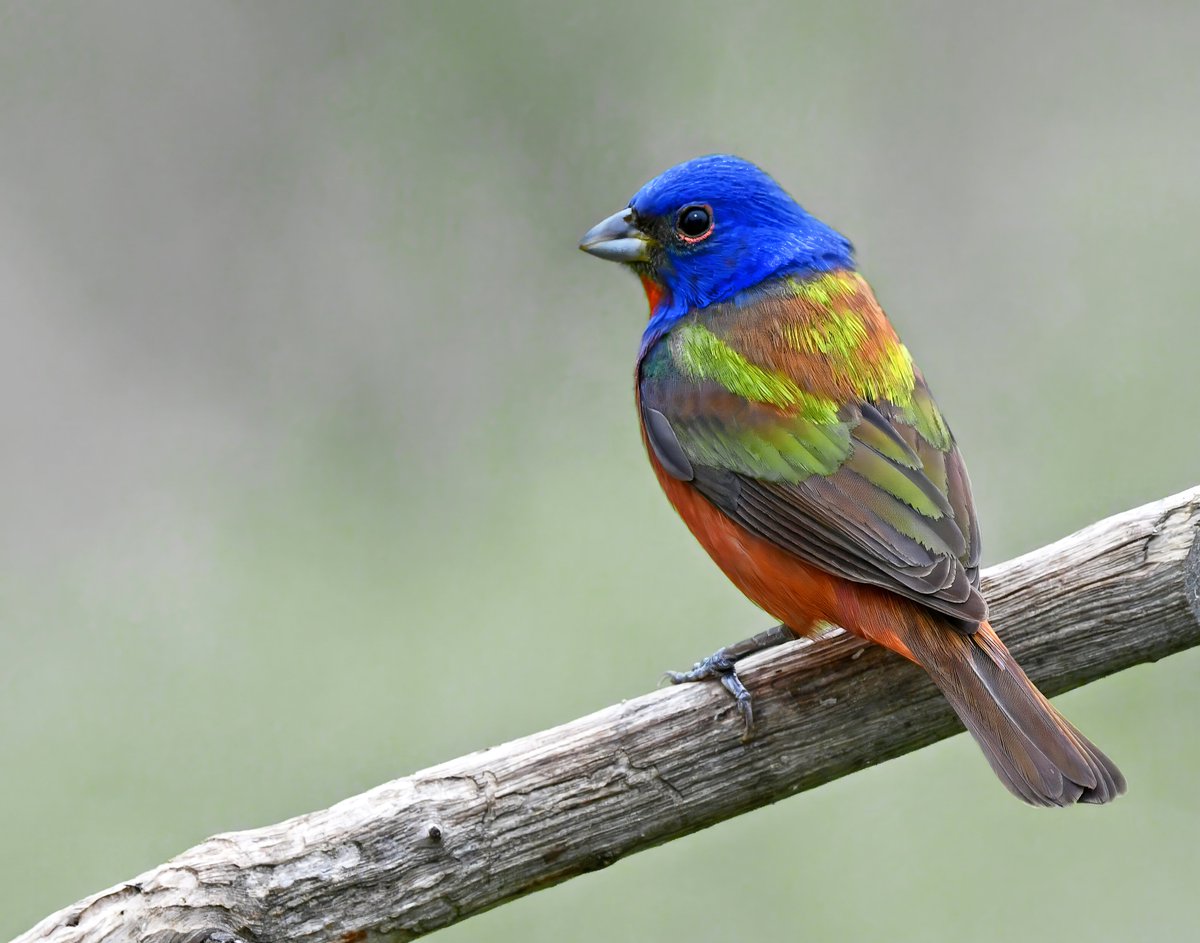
(791, 430)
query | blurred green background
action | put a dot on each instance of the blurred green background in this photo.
(320, 463)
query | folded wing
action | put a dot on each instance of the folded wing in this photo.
(867, 486)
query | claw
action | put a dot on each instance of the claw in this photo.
(714, 666)
(721, 665)
(745, 702)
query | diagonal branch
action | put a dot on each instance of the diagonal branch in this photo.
(448, 842)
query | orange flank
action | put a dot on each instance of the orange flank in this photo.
(800, 596)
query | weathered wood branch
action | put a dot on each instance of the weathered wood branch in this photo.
(448, 842)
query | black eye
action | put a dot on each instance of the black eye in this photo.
(694, 223)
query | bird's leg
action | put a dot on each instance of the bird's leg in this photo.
(721, 665)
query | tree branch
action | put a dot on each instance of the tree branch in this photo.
(448, 842)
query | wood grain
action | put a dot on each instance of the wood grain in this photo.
(436, 847)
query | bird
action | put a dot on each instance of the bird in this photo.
(797, 439)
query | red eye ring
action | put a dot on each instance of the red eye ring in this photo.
(694, 223)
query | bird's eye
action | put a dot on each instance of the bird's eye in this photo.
(694, 223)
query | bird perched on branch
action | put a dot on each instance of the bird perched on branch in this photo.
(791, 430)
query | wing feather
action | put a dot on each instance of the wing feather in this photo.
(876, 492)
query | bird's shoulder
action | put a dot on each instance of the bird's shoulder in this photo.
(806, 346)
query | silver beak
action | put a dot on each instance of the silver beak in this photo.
(617, 239)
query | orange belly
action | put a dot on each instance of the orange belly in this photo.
(801, 596)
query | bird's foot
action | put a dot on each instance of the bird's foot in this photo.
(722, 663)
(721, 666)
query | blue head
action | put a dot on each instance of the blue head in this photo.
(711, 228)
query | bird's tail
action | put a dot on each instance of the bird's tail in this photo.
(1035, 751)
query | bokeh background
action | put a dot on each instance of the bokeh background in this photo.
(319, 457)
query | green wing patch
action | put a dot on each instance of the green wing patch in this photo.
(701, 355)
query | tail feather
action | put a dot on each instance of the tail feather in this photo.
(1037, 753)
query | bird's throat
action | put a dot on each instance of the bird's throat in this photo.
(656, 292)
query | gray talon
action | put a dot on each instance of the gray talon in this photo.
(721, 665)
